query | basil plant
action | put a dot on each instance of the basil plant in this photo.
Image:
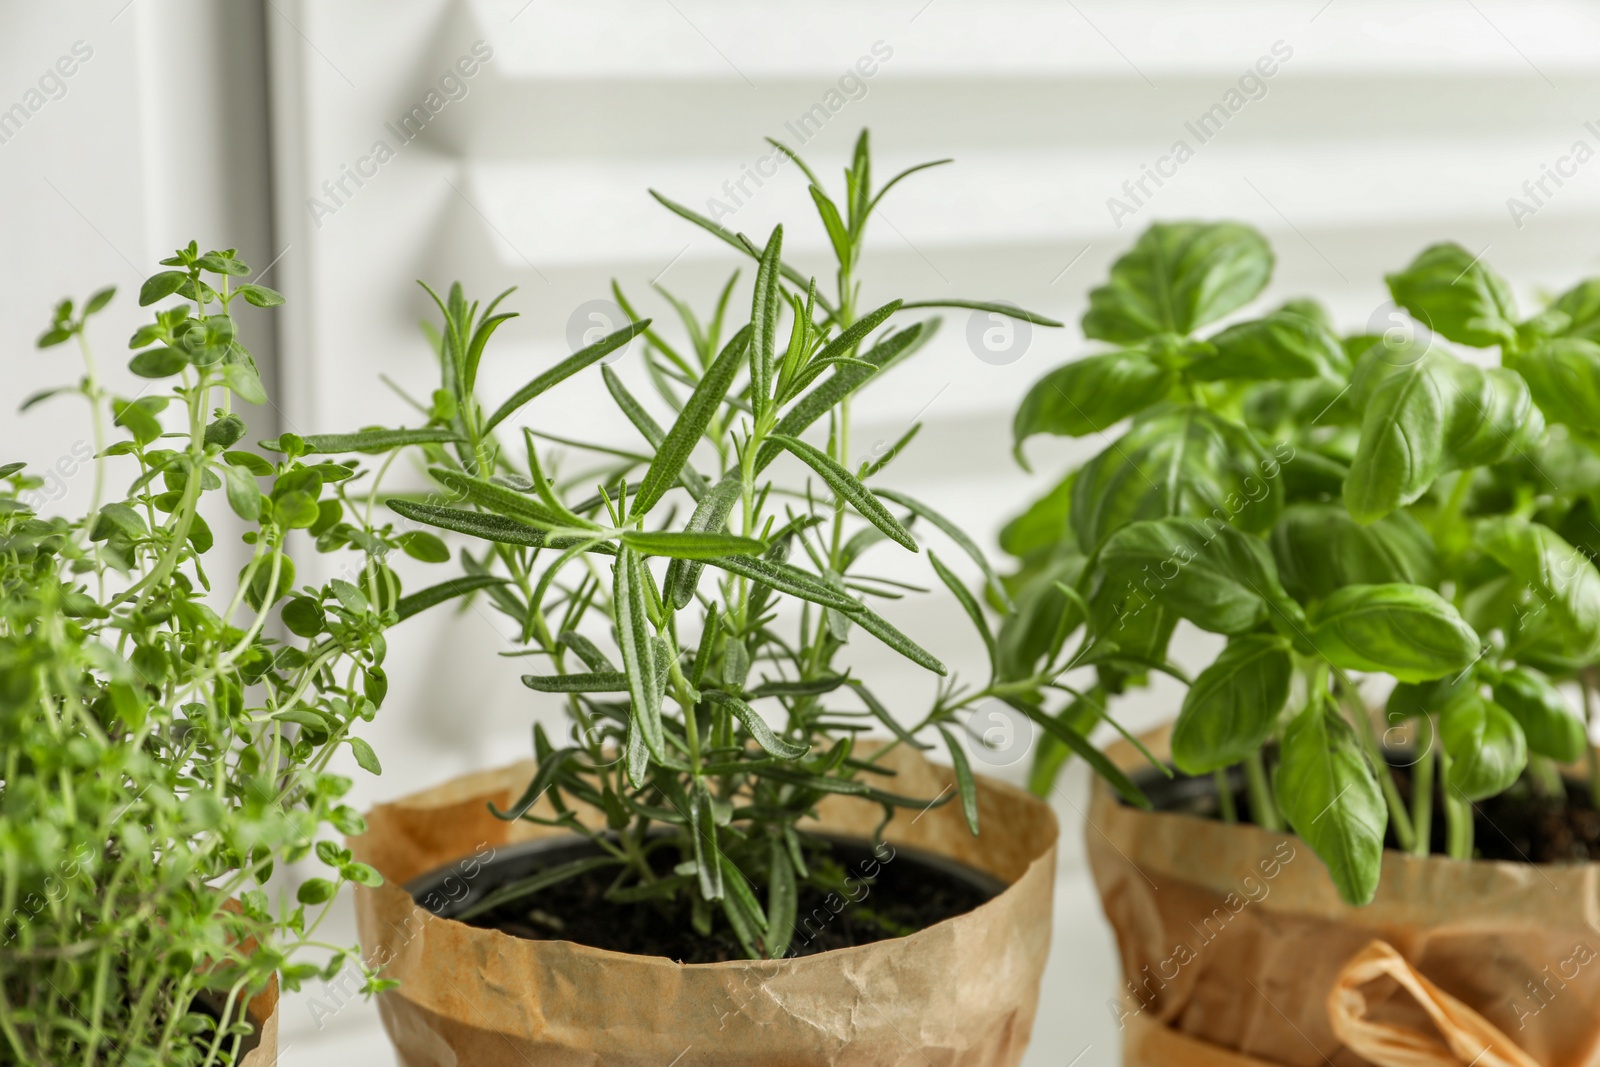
(1342, 509)
(688, 598)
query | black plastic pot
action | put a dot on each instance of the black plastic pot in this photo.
(447, 894)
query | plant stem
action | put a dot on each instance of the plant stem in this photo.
(1422, 789)
(1399, 818)
(1545, 776)
(1457, 815)
(1587, 682)
(1230, 813)
(1263, 808)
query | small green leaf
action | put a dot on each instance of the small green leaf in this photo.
(766, 303)
(1560, 625)
(160, 285)
(369, 441)
(638, 652)
(365, 757)
(593, 682)
(843, 483)
(1215, 576)
(259, 295)
(1407, 631)
(1330, 795)
(1564, 377)
(423, 599)
(1179, 276)
(1091, 394)
(423, 546)
(690, 544)
(965, 784)
(574, 363)
(1281, 346)
(1455, 294)
(770, 742)
(1552, 728)
(1233, 705)
(1486, 747)
(701, 408)
(160, 362)
(969, 604)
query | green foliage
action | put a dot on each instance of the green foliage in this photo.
(687, 606)
(1341, 507)
(165, 746)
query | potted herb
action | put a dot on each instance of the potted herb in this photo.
(165, 744)
(714, 856)
(1385, 516)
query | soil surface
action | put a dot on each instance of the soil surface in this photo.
(1520, 825)
(904, 897)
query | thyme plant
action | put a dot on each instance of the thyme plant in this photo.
(689, 600)
(1339, 508)
(165, 729)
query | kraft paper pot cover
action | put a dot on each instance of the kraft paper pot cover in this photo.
(961, 993)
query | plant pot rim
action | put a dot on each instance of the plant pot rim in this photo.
(1143, 772)
(1045, 848)
(978, 880)
(1409, 886)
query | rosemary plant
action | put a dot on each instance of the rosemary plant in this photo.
(165, 743)
(688, 605)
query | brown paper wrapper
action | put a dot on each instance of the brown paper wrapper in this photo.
(1237, 952)
(961, 993)
(264, 1013)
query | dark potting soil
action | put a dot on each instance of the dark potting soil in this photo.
(903, 896)
(1520, 825)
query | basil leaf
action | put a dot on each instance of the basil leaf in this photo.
(1091, 394)
(1551, 727)
(1218, 578)
(1407, 631)
(1281, 346)
(1233, 705)
(1043, 525)
(1178, 276)
(1492, 416)
(1581, 305)
(1455, 294)
(1561, 626)
(1486, 747)
(1404, 407)
(1320, 549)
(1330, 796)
(1564, 377)
(1208, 466)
